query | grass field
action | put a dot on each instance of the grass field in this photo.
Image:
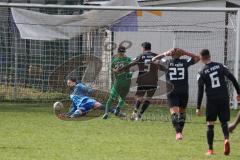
(32, 132)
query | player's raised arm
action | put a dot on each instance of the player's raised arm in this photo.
(230, 76)
(195, 57)
(164, 54)
(200, 93)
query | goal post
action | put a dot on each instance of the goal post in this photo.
(42, 45)
(236, 63)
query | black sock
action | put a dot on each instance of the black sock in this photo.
(181, 121)
(144, 107)
(225, 130)
(175, 123)
(210, 136)
(137, 105)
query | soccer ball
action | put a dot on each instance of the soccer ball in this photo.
(57, 106)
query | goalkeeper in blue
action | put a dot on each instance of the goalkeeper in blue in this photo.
(81, 102)
(121, 84)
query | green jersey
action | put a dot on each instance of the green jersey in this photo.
(123, 78)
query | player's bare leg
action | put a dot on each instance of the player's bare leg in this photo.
(97, 105)
(210, 137)
(174, 110)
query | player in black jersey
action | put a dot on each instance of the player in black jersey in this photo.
(147, 79)
(212, 76)
(177, 74)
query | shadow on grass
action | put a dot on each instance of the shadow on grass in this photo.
(93, 114)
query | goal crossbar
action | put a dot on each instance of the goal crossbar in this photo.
(122, 8)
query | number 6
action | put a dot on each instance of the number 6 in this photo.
(214, 80)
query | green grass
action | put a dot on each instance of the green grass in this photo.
(32, 132)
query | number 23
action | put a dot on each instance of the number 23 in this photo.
(176, 73)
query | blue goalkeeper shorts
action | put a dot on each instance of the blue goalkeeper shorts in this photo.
(87, 105)
(84, 105)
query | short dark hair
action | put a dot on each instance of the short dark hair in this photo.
(121, 49)
(147, 45)
(72, 79)
(205, 53)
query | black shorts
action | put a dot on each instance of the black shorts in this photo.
(178, 100)
(218, 108)
(149, 90)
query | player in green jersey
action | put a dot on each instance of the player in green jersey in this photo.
(121, 84)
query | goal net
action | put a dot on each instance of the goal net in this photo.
(41, 47)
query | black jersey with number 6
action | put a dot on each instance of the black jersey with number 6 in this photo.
(212, 76)
(148, 72)
(177, 73)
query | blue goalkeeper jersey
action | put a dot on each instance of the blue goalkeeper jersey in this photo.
(79, 94)
(81, 91)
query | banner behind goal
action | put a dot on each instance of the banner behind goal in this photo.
(42, 46)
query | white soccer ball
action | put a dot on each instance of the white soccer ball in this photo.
(57, 106)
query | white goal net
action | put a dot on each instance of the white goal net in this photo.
(41, 46)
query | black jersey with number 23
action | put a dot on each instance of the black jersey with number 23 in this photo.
(177, 74)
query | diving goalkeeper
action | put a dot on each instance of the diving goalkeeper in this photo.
(81, 101)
